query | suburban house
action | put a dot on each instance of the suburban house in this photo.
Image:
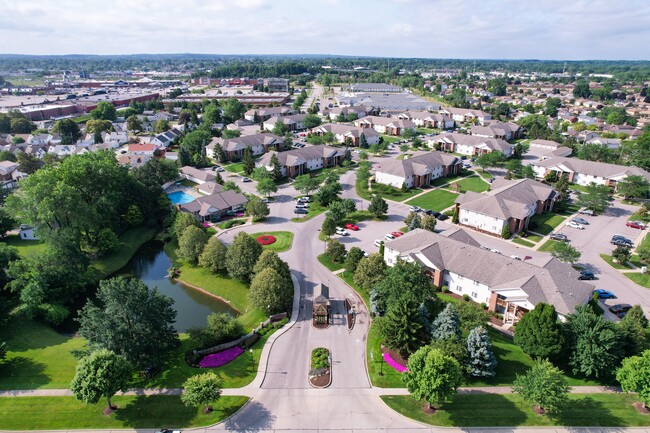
(509, 204)
(10, 175)
(300, 161)
(385, 125)
(418, 170)
(426, 119)
(133, 161)
(611, 143)
(195, 175)
(264, 114)
(504, 131)
(343, 132)
(544, 144)
(583, 172)
(358, 110)
(507, 286)
(142, 149)
(234, 147)
(470, 145)
(465, 114)
(293, 122)
(213, 207)
(165, 139)
(115, 139)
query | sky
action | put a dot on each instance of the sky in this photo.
(475, 29)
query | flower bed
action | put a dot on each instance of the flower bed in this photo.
(222, 358)
(266, 239)
(390, 361)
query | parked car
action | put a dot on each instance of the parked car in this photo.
(246, 179)
(604, 294)
(621, 238)
(619, 309)
(575, 225)
(559, 237)
(342, 232)
(305, 199)
(580, 221)
(622, 242)
(586, 275)
(302, 205)
(586, 211)
(397, 234)
(494, 250)
(265, 200)
(415, 209)
(300, 211)
(378, 242)
(635, 225)
(442, 217)
(353, 227)
(389, 237)
(516, 257)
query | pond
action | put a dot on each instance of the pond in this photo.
(150, 264)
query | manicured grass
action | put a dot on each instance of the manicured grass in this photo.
(534, 238)
(236, 167)
(231, 223)
(637, 216)
(636, 261)
(523, 242)
(610, 261)
(473, 183)
(385, 191)
(493, 410)
(130, 242)
(325, 260)
(549, 246)
(438, 199)
(24, 247)
(389, 139)
(45, 413)
(314, 210)
(639, 278)
(188, 183)
(381, 374)
(546, 222)
(484, 174)
(422, 130)
(450, 179)
(282, 243)
(349, 279)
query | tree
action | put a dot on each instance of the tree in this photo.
(68, 129)
(562, 188)
(276, 172)
(403, 279)
(497, 86)
(311, 121)
(416, 222)
(306, 184)
(191, 243)
(593, 343)
(432, 375)
(211, 114)
(543, 385)
(213, 256)
(6, 222)
(471, 315)
(335, 250)
(403, 327)
(363, 141)
(232, 110)
(370, 271)
(552, 106)
(621, 254)
(22, 126)
(336, 212)
(230, 185)
(492, 159)
(429, 223)
(634, 187)
(595, 197)
(527, 172)
(266, 187)
(581, 89)
(378, 206)
(352, 259)
(409, 217)
(595, 152)
(104, 111)
(329, 226)
(201, 390)
(133, 321)
(348, 206)
(634, 376)
(279, 128)
(632, 330)
(446, 325)
(539, 334)
(270, 292)
(182, 221)
(161, 125)
(257, 208)
(270, 260)
(102, 373)
(481, 359)
(221, 328)
(328, 193)
(133, 124)
(564, 252)
(242, 256)
(193, 145)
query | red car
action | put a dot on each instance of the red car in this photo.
(352, 227)
(635, 225)
(397, 234)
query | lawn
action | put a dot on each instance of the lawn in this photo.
(325, 260)
(450, 179)
(534, 238)
(484, 174)
(610, 261)
(236, 167)
(472, 183)
(385, 191)
(314, 210)
(422, 130)
(46, 413)
(188, 183)
(282, 243)
(389, 139)
(549, 246)
(130, 242)
(546, 222)
(523, 242)
(24, 247)
(349, 279)
(639, 278)
(494, 410)
(438, 200)
(381, 374)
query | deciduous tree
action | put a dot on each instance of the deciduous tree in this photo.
(102, 373)
(634, 376)
(270, 292)
(242, 256)
(370, 271)
(191, 243)
(213, 256)
(432, 375)
(378, 206)
(544, 386)
(201, 390)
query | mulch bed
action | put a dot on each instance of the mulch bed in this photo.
(109, 410)
(349, 316)
(320, 381)
(640, 407)
(395, 355)
(496, 321)
(428, 410)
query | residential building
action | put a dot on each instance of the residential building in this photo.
(196, 175)
(507, 286)
(426, 119)
(234, 147)
(213, 207)
(418, 170)
(509, 204)
(300, 161)
(470, 145)
(10, 175)
(358, 110)
(610, 143)
(264, 114)
(504, 131)
(165, 139)
(385, 125)
(142, 149)
(465, 114)
(293, 122)
(344, 132)
(544, 144)
(583, 172)
(133, 161)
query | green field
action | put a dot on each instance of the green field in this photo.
(523, 242)
(325, 260)
(639, 278)
(24, 247)
(610, 261)
(437, 200)
(385, 191)
(45, 413)
(236, 167)
(472, 183)
(549, 246)
(283, 241)
(509, 410)
(546, 222)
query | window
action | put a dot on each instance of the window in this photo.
(475, 283)
(474, 295)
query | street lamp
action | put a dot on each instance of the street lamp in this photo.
(252, 360)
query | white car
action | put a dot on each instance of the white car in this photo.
(495, 251)
(342, 232)
(304, 199)
(575, 225)
(389, 237)
(378, 242)
(301, 205)
(415, 209)
(516, 257)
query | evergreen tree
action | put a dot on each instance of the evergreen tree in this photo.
(446, 325)
(539, 333)
(218, 153)
(416, 222)
(378, 206)
(562, 188)
(276, 173)
(481, 359)
(402, 327)
(248, 161)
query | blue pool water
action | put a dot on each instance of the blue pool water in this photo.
(180, 197)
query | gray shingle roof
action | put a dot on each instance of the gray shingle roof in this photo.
(600, 169)
(419, 164)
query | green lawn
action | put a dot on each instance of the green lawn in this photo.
(24, 247)
(450, 179)
(349, 279)
(534, 238)
(236, 167)
(523, 242)
(283, 241)
(484, 174)
(325, 260)
(546, 222)
(437, 200)
(639, 278)
(610, 261)
(422, 130)
(130, 242)
(493, 410)
(188, 183)
(549, 246)
(389, 139)
(472, 183)
(45, 413)
(314, 210)
(381, 374)
(385, 191)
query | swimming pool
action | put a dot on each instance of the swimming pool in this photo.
(180, 197)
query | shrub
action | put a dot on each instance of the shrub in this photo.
(466, 298)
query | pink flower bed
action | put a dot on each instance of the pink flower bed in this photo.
(390, 361)
(222, 358)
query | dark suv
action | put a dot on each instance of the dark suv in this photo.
(586, 275)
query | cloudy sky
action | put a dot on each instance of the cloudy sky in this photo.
(500, 29)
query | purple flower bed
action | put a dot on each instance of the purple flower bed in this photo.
(390, 361)
(222, 358)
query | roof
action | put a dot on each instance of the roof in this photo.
(420, 164)
(210, 204)
(554, 283)
(495, 129)
(599, 169)
(240, 143)
(294, 157)
(197, 174)
(385, 121)
(348, 130)
(323, 295)
(548, 143)
(472, 140)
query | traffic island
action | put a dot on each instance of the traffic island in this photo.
(320, 372)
